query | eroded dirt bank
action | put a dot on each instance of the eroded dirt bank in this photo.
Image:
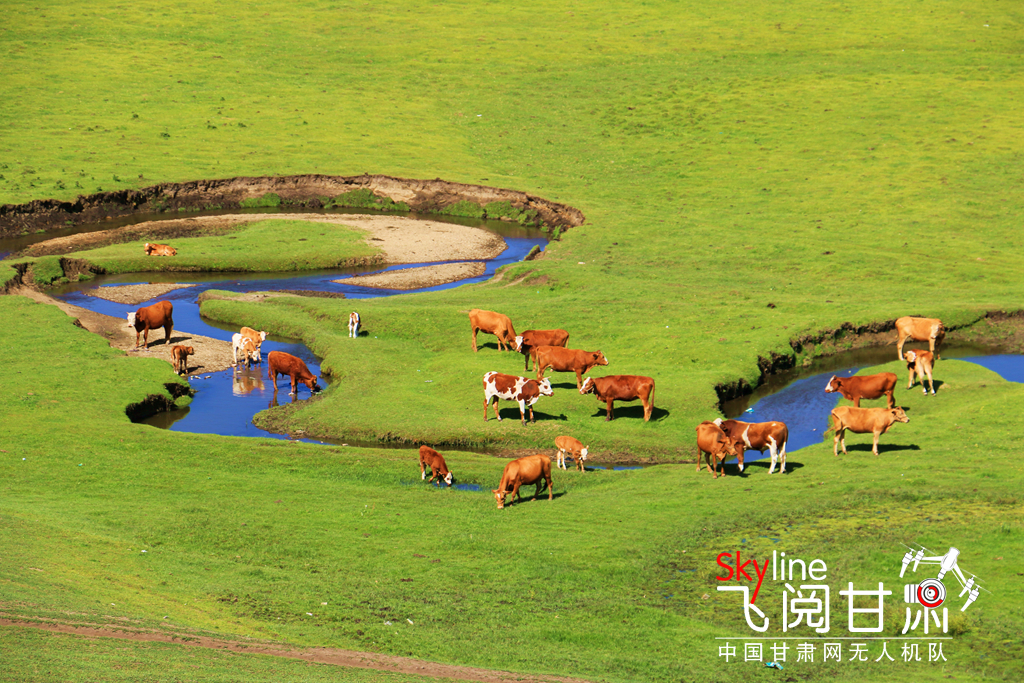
(311, 191)
(320, 655)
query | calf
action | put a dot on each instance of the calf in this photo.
(867, 386)
(621, 388)
(492, 323)
(861, 421)
(533, 469)
(152, 318)
(512, 388)
(257, 340)
(567, 445)
(716, 448)
(160, 250)
(528, 342)
(250, 352)
(353, 324)
(567, 360)
(919, 329)
(758, 436)
(438, 467)
(281, 363)
(179, 357)
(919, 362)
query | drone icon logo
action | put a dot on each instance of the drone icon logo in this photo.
(931, 593)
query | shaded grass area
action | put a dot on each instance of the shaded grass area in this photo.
(608, 581)
(31, 655)
(263, 246)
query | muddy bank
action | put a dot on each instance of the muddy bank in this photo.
(211, 355)
(418, 278)
(133, 294)
(310, 191)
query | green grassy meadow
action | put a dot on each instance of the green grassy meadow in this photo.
(843, 163)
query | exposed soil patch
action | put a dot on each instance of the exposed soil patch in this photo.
(313, 293)
(320, 655)
(418, 278)
(425, 196)
(403, 240)
(211, 355)
(133, 294)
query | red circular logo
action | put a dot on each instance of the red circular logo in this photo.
(931, 593)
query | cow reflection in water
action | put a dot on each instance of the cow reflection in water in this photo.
(244, 382)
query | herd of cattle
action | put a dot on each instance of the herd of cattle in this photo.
(717, 441)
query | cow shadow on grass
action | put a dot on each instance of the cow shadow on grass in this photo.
(882, 447)
(513, 414)
(634, 412)
(542, 497)
(791, 466)
(937, 384)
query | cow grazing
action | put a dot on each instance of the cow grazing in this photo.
(867, 386)
(179, 357)
(257, 340)
(250, 352)
(152, 318)
(528, 342)
(716, 448)
(492, 323)
(512, 388)
(438, 467)
(568, 446)
(567, 360)
(621, 388)
(919, 362)
(920, 329)
(533, 469)
(861, 421)
(281, 363)
(353, 325)
(758, 436)
(160, 250)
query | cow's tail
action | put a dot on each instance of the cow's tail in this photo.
(832, 427)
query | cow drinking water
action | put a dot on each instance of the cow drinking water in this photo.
(281, 363)
(438, 467)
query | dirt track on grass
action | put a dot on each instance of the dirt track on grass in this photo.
(319, 655)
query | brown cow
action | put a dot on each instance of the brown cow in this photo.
(493, 323)
(528, 341)
(281, 363)
(512, 388)
(533, 469)
(179, 356)
(716, 448)
(621, 388)
(919, 362)
(861, 421)
(866, 386)
(920, 329)
(758, 436)
(160, 250)
(152, 318)
(257, 339)
(438, 467)
(567, 360)
(567, 445)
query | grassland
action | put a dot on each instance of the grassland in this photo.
(844, 163)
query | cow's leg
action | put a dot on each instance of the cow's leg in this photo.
(899, 345)
(783, 456)
(774, 452)
(168, 328)
(835, 442)
(526, 362)
(856, 401)
(522, 412)
(550, 495)
(145, 338)
(579, 380)
(931, 382)
(540, 371)
(874, 442)
(474, 339)
(890, 400)
(910, 378)
(294, 391)
(699, 453)
(423, 469)
(609, 416)
(648, 409)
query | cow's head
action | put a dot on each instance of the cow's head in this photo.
(584, 452)
(910, 356)
(545, 387)
(448, 479)
(898, 415)
(833, 385)
(313, 386)
(499, 496)
(599, 358)
(131, 320)
(588, 386)
(518, 343)
(149, 248)
(263, 336)
(188, 351)
(737, 448)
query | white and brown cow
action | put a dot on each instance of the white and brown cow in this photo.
(919, 329)
(257, 339)
(438, 467)
(250, 352)
(919, 362)
(528, 342)
(567, 360)
(512, 388)
(864, 386)
(353, 324)
(716, 447)
(621, 388)
(758, 436)
(568, 446)
(876, 421)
